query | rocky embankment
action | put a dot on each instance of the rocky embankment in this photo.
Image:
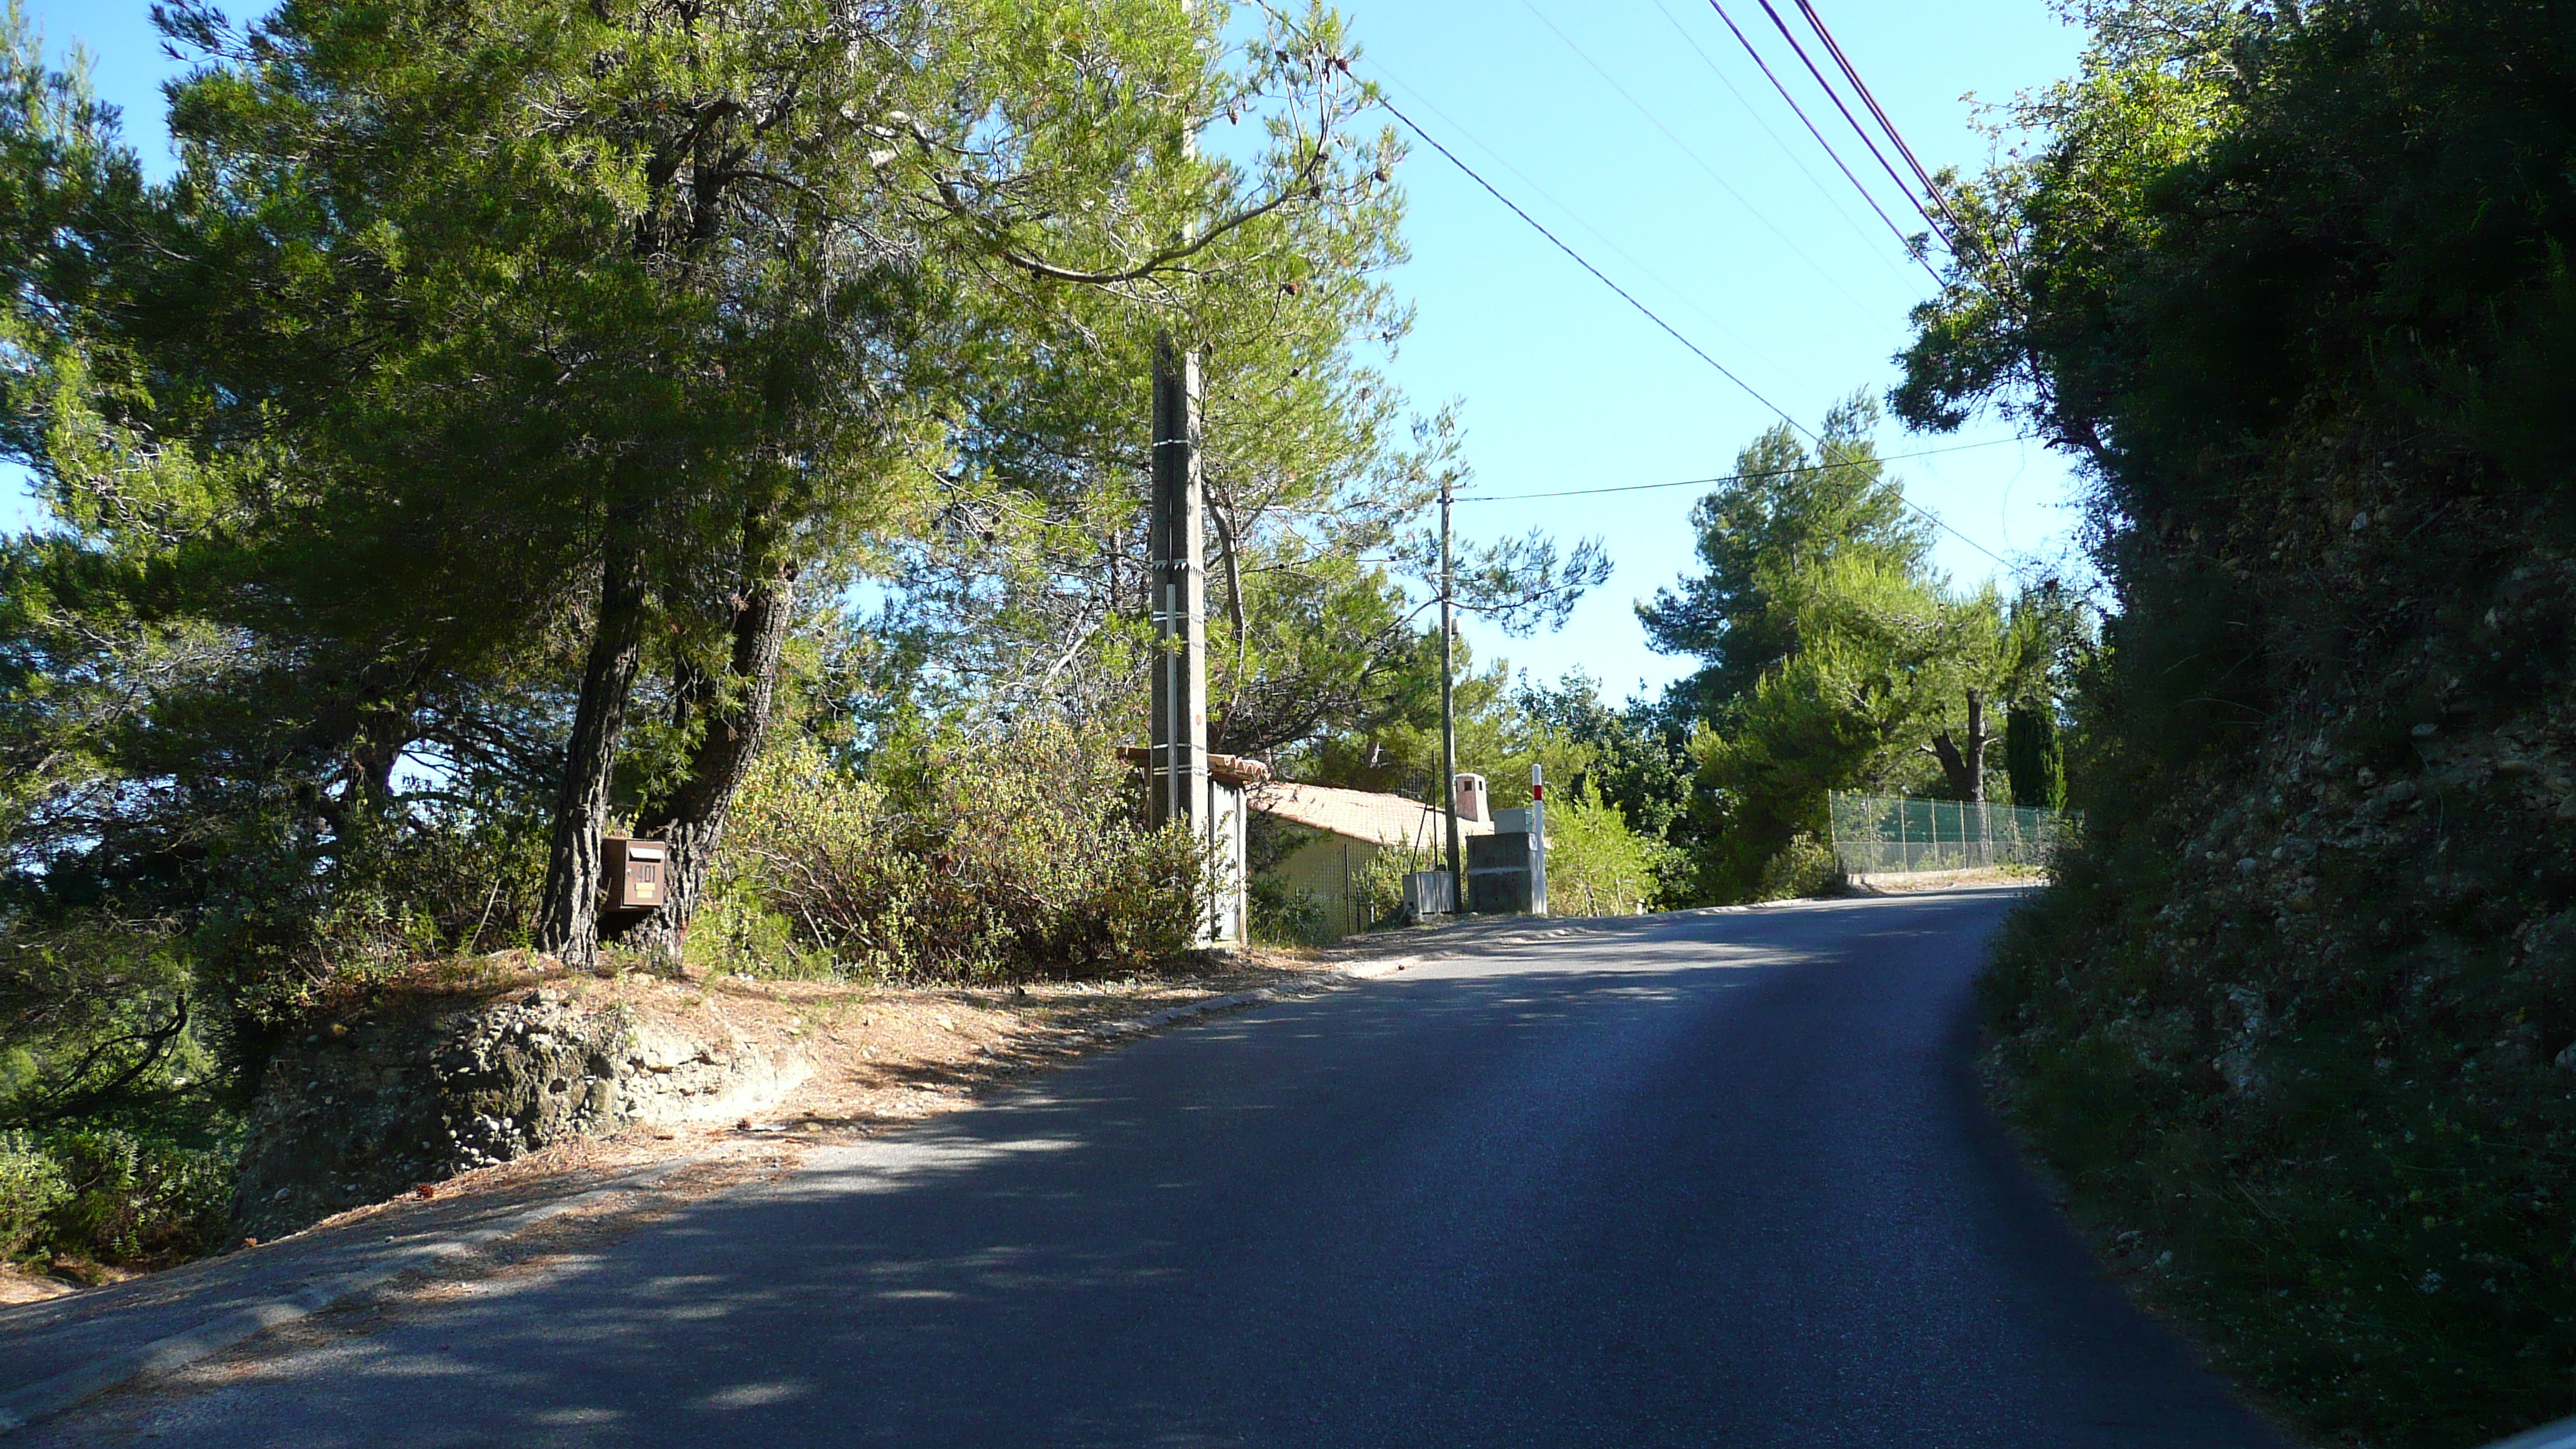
(377, 1102)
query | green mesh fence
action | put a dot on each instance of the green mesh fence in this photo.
(1877, 835)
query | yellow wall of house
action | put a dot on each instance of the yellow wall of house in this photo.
(1322, 867)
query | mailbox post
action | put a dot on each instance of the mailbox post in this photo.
(635, 871)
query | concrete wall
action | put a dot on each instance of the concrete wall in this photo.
(1229, 921)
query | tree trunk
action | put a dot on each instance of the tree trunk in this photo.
(734, 721)
(1966, 767)
(568, 918)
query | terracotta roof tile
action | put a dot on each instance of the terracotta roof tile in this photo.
(1359, 814)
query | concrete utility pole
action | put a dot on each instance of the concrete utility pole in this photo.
(1178, 769)
(1448, 715)
(1179, 772)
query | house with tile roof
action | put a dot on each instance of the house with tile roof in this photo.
(1322, 840)
(1316, 840)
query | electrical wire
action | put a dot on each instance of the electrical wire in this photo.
(1649, 314)
(1803, 119)
(1696, 159)
(1852, 73)
(1728, 477)
(1858, 129)
(1598, 275)
(1777, 140)
(1622, 253)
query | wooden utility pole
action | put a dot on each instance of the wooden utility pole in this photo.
(1448, 714)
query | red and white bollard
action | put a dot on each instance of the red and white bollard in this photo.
(1538, 841)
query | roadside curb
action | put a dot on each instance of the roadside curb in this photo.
(23, 1406)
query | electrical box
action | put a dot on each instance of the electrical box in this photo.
(1499, 868)
(1503, 891)
(636, 871)
(1427, 894)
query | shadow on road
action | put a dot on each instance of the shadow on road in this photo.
(1687, 1180)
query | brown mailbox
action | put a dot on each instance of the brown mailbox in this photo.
(635, 873)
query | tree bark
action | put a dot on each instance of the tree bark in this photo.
(568, 917)
(691, 823)
(1966, 767)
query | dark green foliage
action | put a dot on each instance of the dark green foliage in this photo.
(1284, 915)
(2033, 759)
(2328, 1090)
(116, 1109)
(130, 1200)
(1638, 760)
(2293, 279)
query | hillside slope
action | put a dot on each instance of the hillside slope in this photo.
(2299, 1043)
(2295, 1027)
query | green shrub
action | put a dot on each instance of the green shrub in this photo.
(1803, 867)
(1016, 854)
(107, 1195)
(1377, 887)
(736, 931)
(1596, 865)
(97, 1013)
(1284, 915)
(31, 1185)
(445, 883)
(132, 1200)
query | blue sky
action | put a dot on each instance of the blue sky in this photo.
(1639, 132)
(1700, 192)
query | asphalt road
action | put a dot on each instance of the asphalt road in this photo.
(1710, 1180)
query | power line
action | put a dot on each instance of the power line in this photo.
(1852, 73)
(1597, 234)
(1729, 477)
(1858, 129)
(1598, 275)
(1936, 520)
(1685, 148)
(1803, 119)
(1793, 158)
(1649, 314)
(1943, 524)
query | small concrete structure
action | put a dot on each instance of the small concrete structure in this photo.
(1230, 778)
(1500, 874)
(1474, 800)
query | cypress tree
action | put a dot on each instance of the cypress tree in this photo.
(2033, 758)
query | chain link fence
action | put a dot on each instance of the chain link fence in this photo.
(1879, 835)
